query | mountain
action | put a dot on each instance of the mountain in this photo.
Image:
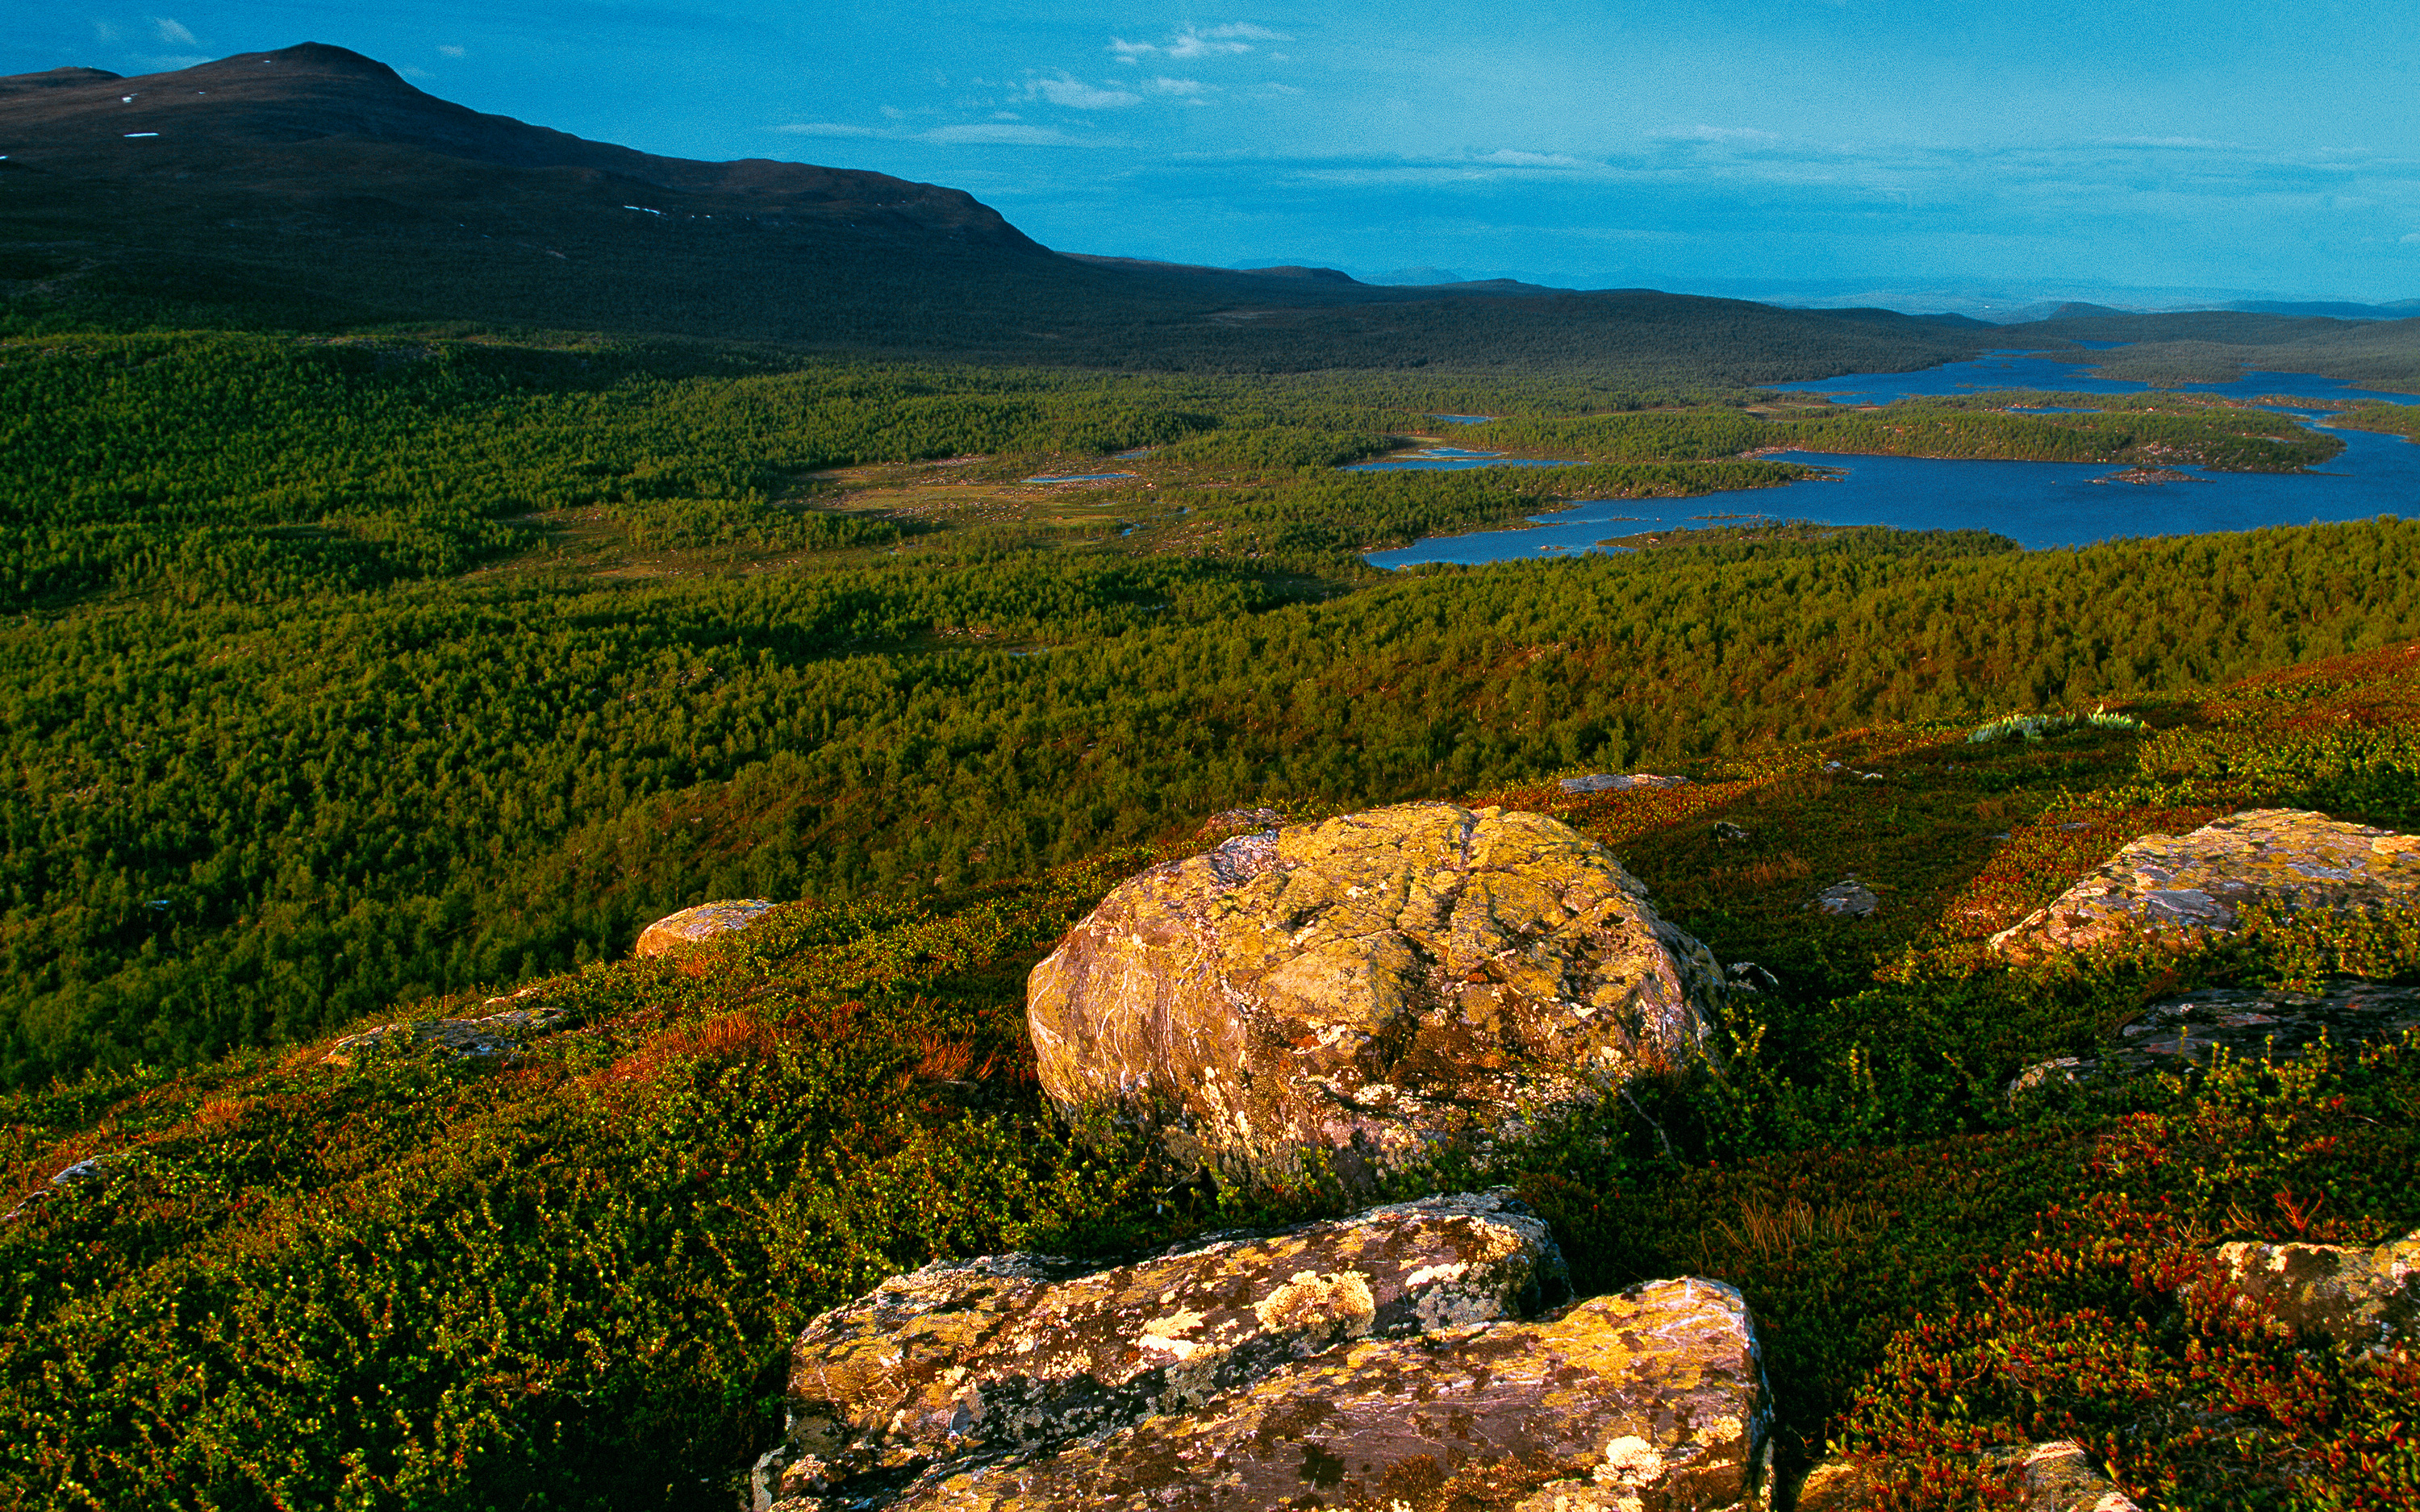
(314, 188)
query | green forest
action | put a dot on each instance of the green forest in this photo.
(351, 677)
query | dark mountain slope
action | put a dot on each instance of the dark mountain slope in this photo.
(314, 188)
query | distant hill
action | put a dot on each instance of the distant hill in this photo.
(314, 188)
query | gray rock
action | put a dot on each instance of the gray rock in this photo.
(494, 1034)
(1847, 898)
(1359, 994)
(1620, 782)
(2188, 1031)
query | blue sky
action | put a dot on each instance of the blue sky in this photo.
(1938, 153)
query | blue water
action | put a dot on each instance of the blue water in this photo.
(2039, 504)
(1446, 459)
(2016, 370)
(1461, 419)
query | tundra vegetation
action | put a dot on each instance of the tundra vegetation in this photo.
(365, 678)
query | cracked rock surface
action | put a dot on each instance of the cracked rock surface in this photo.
(2199, 884)
(1340, 1365)
(1368, 988)
(1011, 1357)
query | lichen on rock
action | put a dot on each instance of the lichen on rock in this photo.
(2364, 1301)
(1334, 1364)
(1367, 990)
(1011, 1356)
(2198, 884)
(703, 922)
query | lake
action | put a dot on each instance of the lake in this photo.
(2038, 503)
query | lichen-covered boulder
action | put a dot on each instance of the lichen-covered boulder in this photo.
(2198, 885)
(1013, 1355)
(703, 922)
(2363, 1301)
(1367, 989)
(1650, 1398)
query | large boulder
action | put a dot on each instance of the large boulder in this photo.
(2189, 887)
(703, 922)
(1367, 990)
(1378, 1356)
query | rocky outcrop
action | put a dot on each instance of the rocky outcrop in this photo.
(1366, 990)
(494, 1034)
(2194, 885)
(2363, 1301)
(703, 922)
(2191, 1029)
(1347, 1363)
(2046, 1477)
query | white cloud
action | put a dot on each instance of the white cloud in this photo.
(173, 32)
(824, 129)
(1006, 115)
(1077, 95)
(103, 31)
(1213, 42)
(1721, 134)
(449, 50)
(1174, 87)
(2413, 238)
(988, 135)
(1279, 89)
(894, 113)
(1507, 158)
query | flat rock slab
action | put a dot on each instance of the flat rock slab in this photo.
(2363, 1301)
(2188, 1031)
(1367, 990)
(703, 922)
(1013, 1356)
(2196, 885)
(1620, 781)
(494, 1034)
(1650, 1398)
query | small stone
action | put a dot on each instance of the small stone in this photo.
(2059, 1068)
(703, 922)
(1847, 898)
(1729, 833)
